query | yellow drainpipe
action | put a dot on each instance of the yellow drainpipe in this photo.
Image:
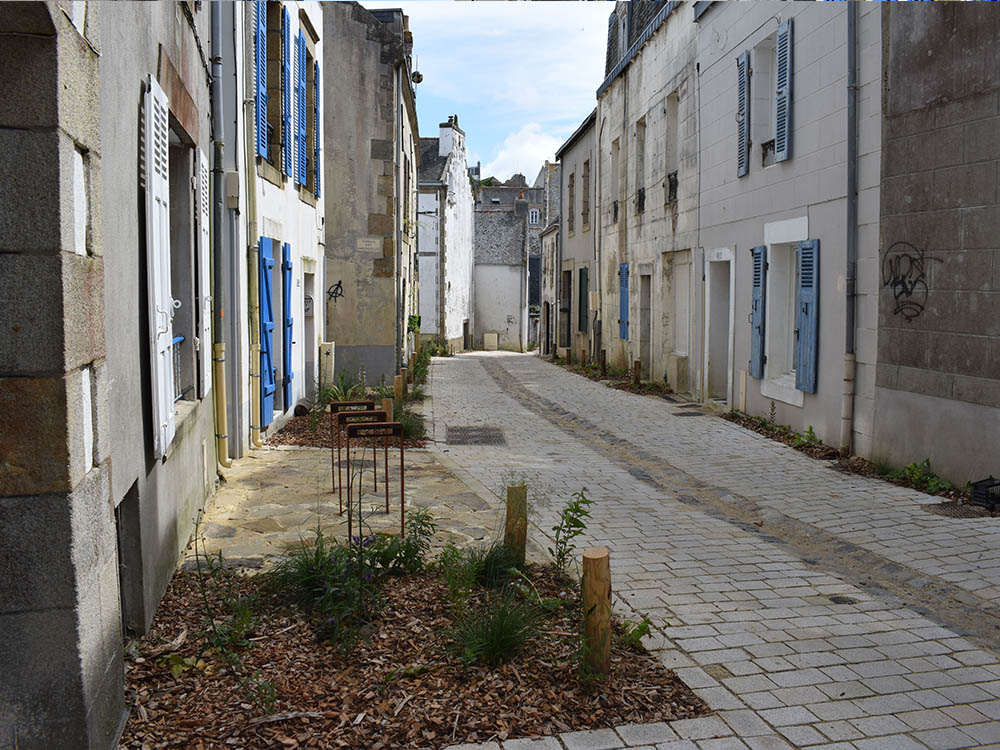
(221, 423)
(253, 281)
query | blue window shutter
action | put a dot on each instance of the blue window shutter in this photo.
(286, 324)
(807, 317)
(623, 301)
(300, 108)
(286, 91)
(757, 310)
(267, 371)
(316, 162)
(783, 94)
(260, 63)
(743, 114)
(297, 119)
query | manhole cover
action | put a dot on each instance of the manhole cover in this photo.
(475, 435)
(951, 509)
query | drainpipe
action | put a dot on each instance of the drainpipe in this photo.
(398, 222)
(253, 304)
(218, 264)
(850, 362)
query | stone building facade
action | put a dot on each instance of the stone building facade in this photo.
(574, 316)
(937, 384)
(445, 239)
(647, 186)
(371, 142)
(500, 278)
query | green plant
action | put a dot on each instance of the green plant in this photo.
(412, 424)
(492, 565)
(772, 414)
(456, 567)
(633, 632)
(919, 475)
(572, 523)
(397, 555)
(494, 631)
(413, 324)
(806, 439)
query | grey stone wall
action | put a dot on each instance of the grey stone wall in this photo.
(939, 302)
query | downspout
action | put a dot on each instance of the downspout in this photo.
(442, 193)
(399, 210)
(599, 229)
(850, 361)
(253, 302)
(559, 272)
(218, 265)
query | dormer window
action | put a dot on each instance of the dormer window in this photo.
(533, 216)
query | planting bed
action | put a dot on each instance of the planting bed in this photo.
(398, 688)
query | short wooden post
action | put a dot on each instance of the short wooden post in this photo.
(604, 363)
(569, 355)
(387, 407)
(636, 372)
(397, 387)
(597, 608)
(515, 536)
(404, 373)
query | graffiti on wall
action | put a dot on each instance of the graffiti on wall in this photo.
(904, 272)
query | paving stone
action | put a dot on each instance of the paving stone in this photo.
(591, 739)
(772, 742)
(745, 723)
(944, 739)
(801, 736)
(545, 743)
(698, 729)
(780, 717)
(677, 745)
(725, 743)
(646, 734)
(896, 742)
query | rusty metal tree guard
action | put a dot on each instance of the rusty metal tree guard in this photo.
(346, 417)
(384, 430)
(335, 408)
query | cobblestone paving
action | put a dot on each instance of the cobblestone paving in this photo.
(751, 560)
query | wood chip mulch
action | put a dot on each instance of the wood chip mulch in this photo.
(306, 432)
(326, 699)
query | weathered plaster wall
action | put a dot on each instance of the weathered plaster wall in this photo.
(429, 252)
(663, 68)
(579, 245)
(363, 187)
(458, 241)
(807, 192)
(938, 374)
(498, 304)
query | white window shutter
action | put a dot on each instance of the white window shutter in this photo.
(161, 308)
(204, 278)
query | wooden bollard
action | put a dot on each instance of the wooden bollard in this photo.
(597, 608)
(515, 536)
(636, 372)
(404, 373)
(397, 387)
(604, 363)
(387, 404)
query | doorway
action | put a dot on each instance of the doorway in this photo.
(547, 327)
(719, 326)
(644, 325)
(308, 306)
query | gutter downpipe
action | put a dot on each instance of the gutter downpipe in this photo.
(253, 303)
(218, 264)
(850, 361)
(399, 212)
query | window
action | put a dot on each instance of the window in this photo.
(584, 299)
(571, 203)
(533, 216)
(762, 101)
(311, 111)
(671, 148)
(585, 208)
(177, 250)
(565, 305)
(640, 165)
(275, 52)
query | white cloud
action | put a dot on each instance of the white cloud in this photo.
(524, 151)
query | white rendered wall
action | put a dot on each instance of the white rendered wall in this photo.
(459, 250)
(500, 290)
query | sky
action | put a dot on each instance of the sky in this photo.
(521, 76)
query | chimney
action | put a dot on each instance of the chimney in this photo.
(521, 205)
(449, 135)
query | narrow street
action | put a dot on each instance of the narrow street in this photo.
(756, 564)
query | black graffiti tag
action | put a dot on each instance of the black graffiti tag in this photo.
(336, 291)
(904, 271)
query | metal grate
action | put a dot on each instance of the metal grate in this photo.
(475, 435)
(688, 414)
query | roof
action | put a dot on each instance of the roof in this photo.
(633, 50)
(431, 164)
(588, 122)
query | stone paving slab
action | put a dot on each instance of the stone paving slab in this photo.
(789, 652)
(276, 497)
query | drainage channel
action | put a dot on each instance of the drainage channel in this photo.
(962, 611)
